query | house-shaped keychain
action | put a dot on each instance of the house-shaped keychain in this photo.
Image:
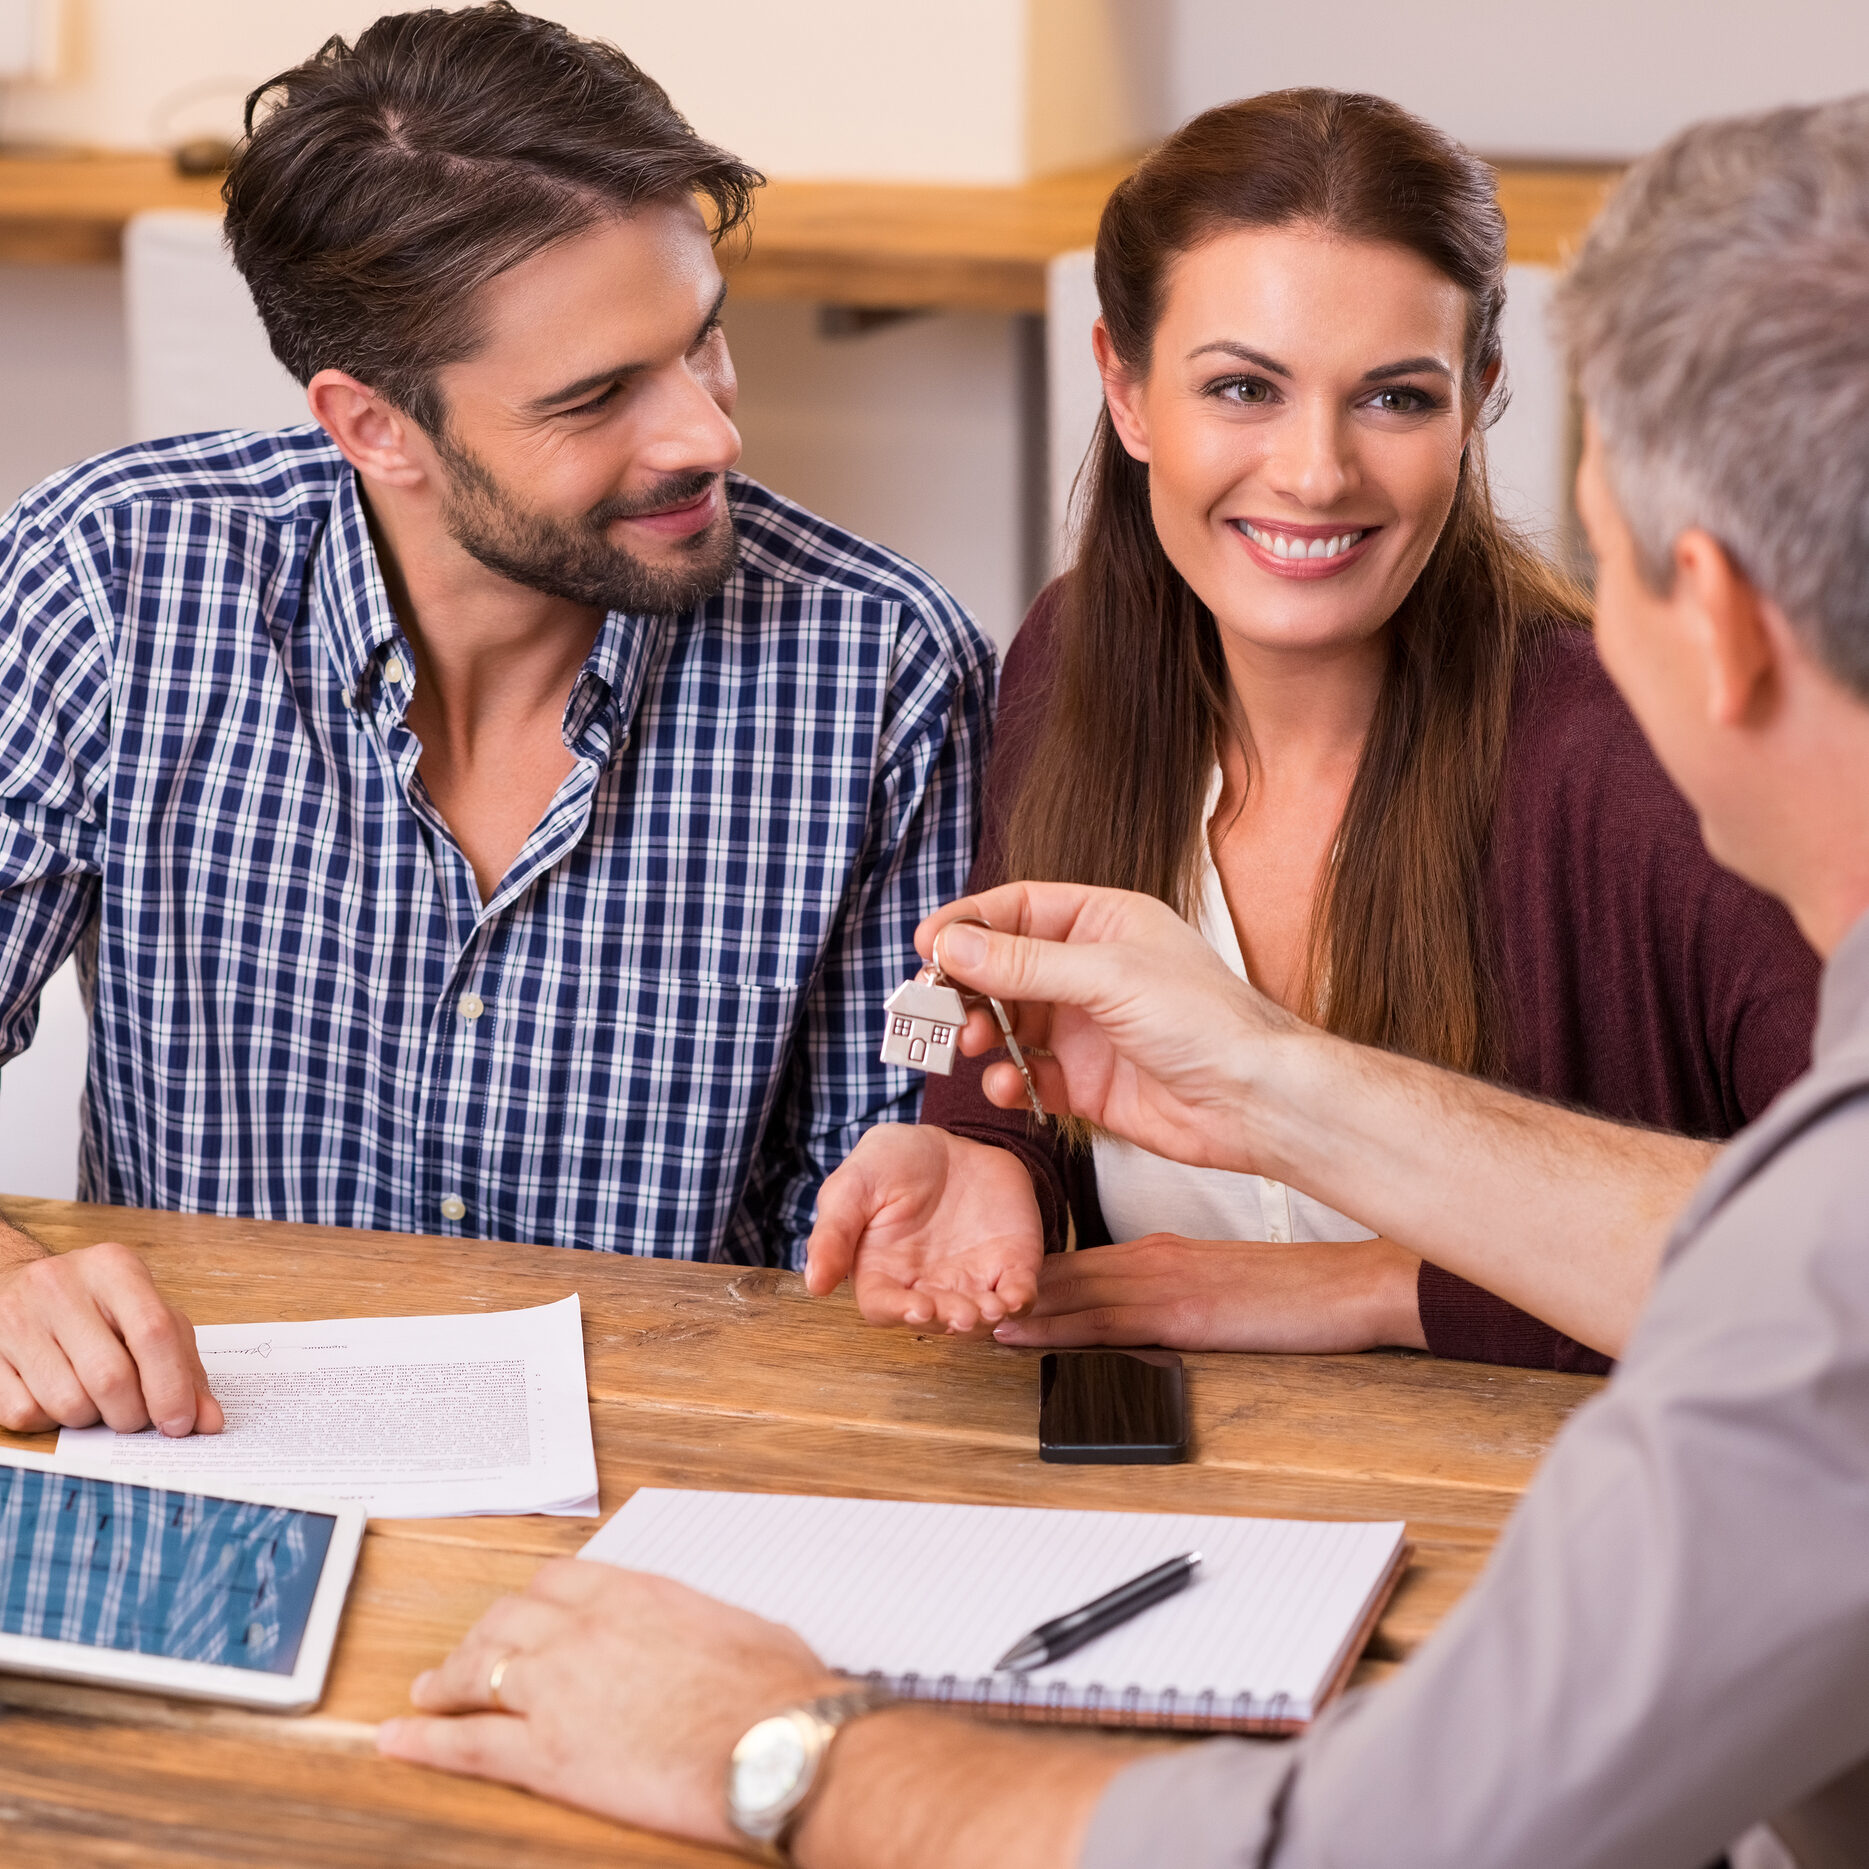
(925, 1019)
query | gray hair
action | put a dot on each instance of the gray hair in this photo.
(1717, 321)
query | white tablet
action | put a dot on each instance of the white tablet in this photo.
(222, 1595)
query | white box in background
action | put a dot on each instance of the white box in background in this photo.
(32, 40)
(40, 1092)
(199, 358)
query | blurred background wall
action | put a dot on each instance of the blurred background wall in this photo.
(914, 432)
(909, 433)
(1567, 78)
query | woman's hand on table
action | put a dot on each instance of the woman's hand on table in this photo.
(621, 1692)
(930, 1229)
(1183, 1294)
(86, 1337)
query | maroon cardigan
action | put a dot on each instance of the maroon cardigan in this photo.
(1639, 979)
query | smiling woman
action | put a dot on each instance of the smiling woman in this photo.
(1303, 685)
(1300, 347)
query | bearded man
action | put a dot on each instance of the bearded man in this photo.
(482, 814)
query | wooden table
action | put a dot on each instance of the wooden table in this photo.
(702, 1376)
(862, 244)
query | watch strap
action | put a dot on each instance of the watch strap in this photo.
(828, 1714)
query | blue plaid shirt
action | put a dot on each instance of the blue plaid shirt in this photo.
(661, 1032)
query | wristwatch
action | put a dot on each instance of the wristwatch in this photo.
(776, 1766)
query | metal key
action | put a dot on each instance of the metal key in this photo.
(1018, 1057)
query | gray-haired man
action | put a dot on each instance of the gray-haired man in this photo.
(1671, 1645)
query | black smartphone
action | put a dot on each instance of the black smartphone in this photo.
(1113, 1408)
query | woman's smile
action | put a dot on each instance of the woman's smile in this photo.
(1292, 551)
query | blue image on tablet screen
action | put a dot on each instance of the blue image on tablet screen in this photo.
(107, 1564)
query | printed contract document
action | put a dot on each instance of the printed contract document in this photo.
(415, 1417)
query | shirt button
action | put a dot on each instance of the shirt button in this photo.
(472, 1006)
(452, 1207)
(392, 671)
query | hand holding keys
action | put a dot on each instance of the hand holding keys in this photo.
(926, 1015)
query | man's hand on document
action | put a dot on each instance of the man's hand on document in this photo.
(86, 1337)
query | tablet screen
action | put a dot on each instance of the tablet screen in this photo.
(108, 1564)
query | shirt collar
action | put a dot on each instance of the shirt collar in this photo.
(358, 621)
(608, 687)
(348, 593)
(1843, 1001)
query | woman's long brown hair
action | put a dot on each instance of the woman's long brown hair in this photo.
(1118, 775)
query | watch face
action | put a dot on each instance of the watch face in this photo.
(768, 1769)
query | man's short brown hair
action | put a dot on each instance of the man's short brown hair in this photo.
(381, 184)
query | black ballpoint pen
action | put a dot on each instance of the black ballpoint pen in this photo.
(1052, 1641)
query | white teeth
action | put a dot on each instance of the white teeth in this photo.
(1282, 545)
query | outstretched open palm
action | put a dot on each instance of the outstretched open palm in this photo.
(930, 1229)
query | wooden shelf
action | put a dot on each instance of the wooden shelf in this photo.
(863, 244)
(70, 209)
(1548, 207)
(877, 244)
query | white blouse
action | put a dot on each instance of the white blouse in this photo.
(1142, 1193)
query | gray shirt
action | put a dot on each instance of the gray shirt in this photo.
(1671, 1643)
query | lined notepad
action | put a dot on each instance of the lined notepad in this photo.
(928, 1597)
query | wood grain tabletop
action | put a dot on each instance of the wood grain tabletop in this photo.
(703, 1376)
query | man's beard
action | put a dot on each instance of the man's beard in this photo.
(573, 559)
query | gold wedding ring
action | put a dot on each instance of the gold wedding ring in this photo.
(494, 1678)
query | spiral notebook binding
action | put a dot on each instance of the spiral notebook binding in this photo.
(1095, 1703)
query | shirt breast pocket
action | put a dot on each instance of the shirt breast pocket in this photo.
(643, 1123)
(680, 1041)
